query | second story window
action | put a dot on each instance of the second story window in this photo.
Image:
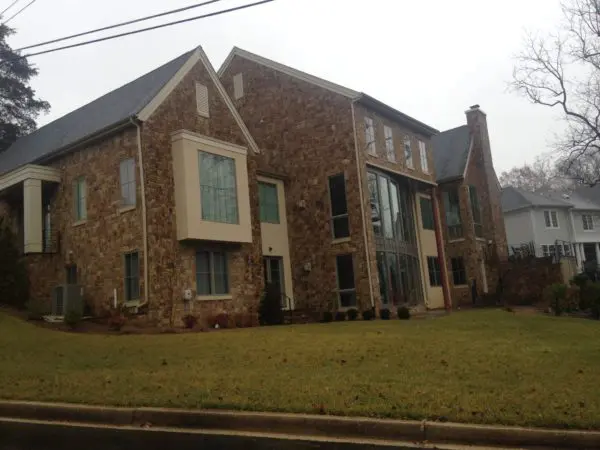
(218, 191)
(452, 207)
(427, 213)
(408, 156)
(80, 199)
(370, 136)
(389, 144)
(476, 210)
(339, 206)
(269, 206)
(551, 219)
(127, 177)
(588, 222)
(423, 155)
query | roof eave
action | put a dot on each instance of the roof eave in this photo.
(384, 109)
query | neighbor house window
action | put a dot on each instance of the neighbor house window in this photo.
(551, 219)
(567, 248)
(408, 156)
(127, 176)
(370, 136)
(132, 276)
(433, 266)
(423, 155)
(588, 222)
(269, 205)
(345, 277)
(476, 211)
(202, 100)
(212, 275)
(427, 213)
(218, 191)
(459, 275)
(389, 144)
(339, 207)
(545, 251)
(80, 199)
(452, 207)
(238, 86)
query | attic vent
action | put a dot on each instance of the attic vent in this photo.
(238, 86)
(202, 100)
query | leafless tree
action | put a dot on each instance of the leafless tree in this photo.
(563, 71)
(542, 175)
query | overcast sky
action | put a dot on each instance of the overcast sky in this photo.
(429, 59)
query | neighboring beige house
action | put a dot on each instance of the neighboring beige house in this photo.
(187, 191)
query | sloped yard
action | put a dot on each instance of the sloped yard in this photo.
(480, 366)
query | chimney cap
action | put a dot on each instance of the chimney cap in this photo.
(474, 107)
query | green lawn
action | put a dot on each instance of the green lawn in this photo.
(480, 366)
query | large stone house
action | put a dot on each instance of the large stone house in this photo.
(473, 224)
(186, 181)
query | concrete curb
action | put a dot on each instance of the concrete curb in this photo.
(302, 425)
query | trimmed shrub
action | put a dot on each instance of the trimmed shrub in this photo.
(14, 281)
(36, 310)
(368, 314)
(403, 313)
(556, 295)
(340, 316)
(270, 312)
(72, 319)
(385, 314)
(352, 314)
(327, 316)
(189, 321)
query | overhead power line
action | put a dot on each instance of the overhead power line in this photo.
(8, 7)
(122, 24)
(19, 11)
(142, 30)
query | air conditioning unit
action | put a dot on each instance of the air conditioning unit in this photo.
(67, 297)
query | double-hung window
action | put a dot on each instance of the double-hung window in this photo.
(389, 144)
(345, 277)
(370, 136)
(453, 219)
(132, 276)
(339, 206)
(408, 156)
(127, 177)
(427, 213)
(80, 199)
(433, 266)
(588, 222)
(218, 190)
(423, 155)
(212, 274)
(459, 274)
(476, 211)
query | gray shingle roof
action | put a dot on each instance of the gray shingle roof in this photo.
(103, 113)
(450, 153)
(513, 198)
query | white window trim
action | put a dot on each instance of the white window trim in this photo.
(550, 213)
(390, 150)
(370, 140)
(410, 162)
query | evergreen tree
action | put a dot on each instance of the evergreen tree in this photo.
(19, 107)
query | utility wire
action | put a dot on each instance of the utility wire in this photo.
(129, 22)
(8, 7)
(115, 36)
(19, 11)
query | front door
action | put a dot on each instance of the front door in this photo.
(274, 275)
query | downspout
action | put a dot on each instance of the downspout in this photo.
(138, 126)
(439, 240)
(362, 205)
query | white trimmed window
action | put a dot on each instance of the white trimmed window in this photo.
(218, 189)
(588, 222)
(423, 155)
(212, 273)
(202, 100)
(370, 136)
(238, 86)
(408, 156)
(551, 219)
(567, 249)
(127, 176)
(80, 199)
(389, 144)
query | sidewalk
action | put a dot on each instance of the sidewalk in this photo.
(30, 420)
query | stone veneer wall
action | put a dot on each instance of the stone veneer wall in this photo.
(306, 134)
